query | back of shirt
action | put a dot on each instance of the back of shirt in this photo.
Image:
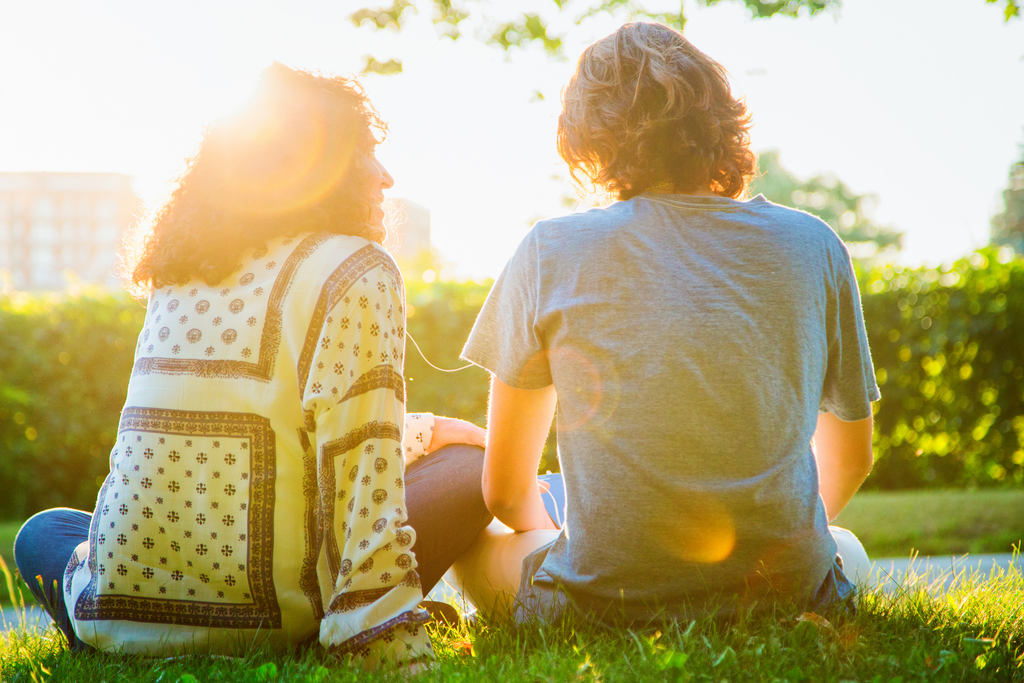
(692, 342)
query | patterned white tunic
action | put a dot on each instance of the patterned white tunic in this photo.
(256, 490)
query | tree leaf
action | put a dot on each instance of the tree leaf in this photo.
(383, 17)
(372, 65)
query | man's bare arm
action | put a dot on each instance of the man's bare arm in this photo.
(518, 421)
(843, 453)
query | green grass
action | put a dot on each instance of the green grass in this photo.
(8, 532)
(976, 633)
(973, 633)
(892, 523)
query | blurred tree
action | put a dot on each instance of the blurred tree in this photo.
(373, 66)
(826, 197)
(1008, 227)
(1011, 10)
(521, 29)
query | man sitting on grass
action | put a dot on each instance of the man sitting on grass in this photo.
(694, 344)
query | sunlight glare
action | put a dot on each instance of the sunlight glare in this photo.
(281, 178)
(709, 535)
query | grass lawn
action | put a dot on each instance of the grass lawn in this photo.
(8, 531)
(974, 634)
(892, 523)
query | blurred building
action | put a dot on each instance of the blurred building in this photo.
(56, 222)
(409, 230)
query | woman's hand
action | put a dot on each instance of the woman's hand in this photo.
(450, 430)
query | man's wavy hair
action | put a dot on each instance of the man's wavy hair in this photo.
(646, 109)
(294, 160)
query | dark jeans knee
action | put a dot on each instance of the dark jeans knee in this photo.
(446, 507)
(460, 464)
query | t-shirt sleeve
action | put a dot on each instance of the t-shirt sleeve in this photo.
(506, 339)
(849, 386)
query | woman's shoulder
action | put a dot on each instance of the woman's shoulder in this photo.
(332, 258)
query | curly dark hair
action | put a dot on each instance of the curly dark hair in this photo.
(646, 109)
(294, 160)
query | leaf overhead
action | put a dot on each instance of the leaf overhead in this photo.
(530, 28)
(371, 65)
(495, 27)
(1012, 9)
(384, 17)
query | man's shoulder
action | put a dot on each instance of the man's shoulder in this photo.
(576, 230)
(798, 224)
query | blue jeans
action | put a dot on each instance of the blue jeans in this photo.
(442, 495)
(42, 551)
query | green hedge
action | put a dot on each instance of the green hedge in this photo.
(64, 367)
(440, 316)
(948, 346)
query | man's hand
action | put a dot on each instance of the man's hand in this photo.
(450, 430)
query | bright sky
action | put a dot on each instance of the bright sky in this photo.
(920, 102)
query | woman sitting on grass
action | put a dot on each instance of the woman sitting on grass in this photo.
(695, 344)
(258, 490)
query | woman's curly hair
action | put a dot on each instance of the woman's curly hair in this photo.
(647, 109)
(294, 160)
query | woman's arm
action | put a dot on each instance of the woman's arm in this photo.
(843, 454)
(518, 421)
(355, 395)
(425, 433)
(452, 430)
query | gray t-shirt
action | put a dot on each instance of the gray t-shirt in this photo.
(692, 342)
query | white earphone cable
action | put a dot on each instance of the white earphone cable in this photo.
(409, 335)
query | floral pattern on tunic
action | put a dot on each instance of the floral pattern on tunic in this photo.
(176, 316)
(353, 400)
(184, 535)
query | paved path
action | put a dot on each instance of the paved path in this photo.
(938, 573)
(35, 619)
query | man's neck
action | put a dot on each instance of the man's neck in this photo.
(665, 189)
